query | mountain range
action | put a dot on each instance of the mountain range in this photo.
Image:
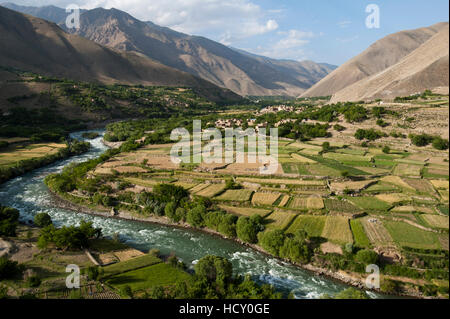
(400, 64)
(237, 70)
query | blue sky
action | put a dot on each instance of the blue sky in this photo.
(330, 31)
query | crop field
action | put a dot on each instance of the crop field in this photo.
(13, 154)
(211, 190)
(444, 194)
(341, 206)
(313, 225)
(369, 203)
(298, 203)
(337, 229)
(284, 200)
(411, 209)
(437, 221)
(376, 232)
(265, 198)
(408, 170)
(279, 220)
(440, 184)
(420, 185)
(315, 202)
(352, 186)
(160, 274)
(381, 187)
(273, 181)
(302, 159)
(394, 198)
(238, 195)
(245, 211)
(409, 236)
(361, 239)
(398, 181)
(132, 264)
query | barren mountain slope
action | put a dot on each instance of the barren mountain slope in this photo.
(378, 57)
(424, 68)
(40, 46)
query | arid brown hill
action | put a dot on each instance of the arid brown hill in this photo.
(425, 68)
(378, 57)
(33, 44)
(237, 70)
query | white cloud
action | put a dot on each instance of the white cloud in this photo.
(290, 46)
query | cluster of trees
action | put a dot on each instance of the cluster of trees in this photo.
(9, 220)
(424, 139)
(303, 131)
(9, 269)
(370, 134)
(213, 279)
(291, 247)
(72, 237)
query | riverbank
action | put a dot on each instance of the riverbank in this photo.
(350, 279)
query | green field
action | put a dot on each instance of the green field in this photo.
(369, 203)
(361, 239)
(160, 274)
(279, 220)
(410, 236)
(132, 264)
(313, 225)
(238, 195)
(342, 206)
(337, 229)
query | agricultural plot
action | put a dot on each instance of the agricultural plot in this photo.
(436, 221)
(245, 211)
(211, 191)
(185, 185)
(238, 195)
(295, 168)
(14, 154)
(302, 159)
(337, 229)
(283, 201)
(412, 209)
(315, 202)
(351, 186)
(409, 236)
(381, 187)
(287, 181)
(361, 239)
(444, 194)
(440, 184)
(198, 188)
(420, 185)
(398, 181)
(322, 170)
(395, 198)
(141, 181)
(299, 203)
(132, 264)
(265, 198)
(279, 220)
(335, 165)
(145, 278)
(408, 170)
(376, 232)
(347, 158)
(369, 203)
(313, 225)
(340, 206)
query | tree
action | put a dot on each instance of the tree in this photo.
(170, 209)
(350, 293)
(272, 241)
(195, 216)
(366, 257)
(214, 269)
(440, 143)
(386, 149)
(247, 228)
(43, 220)
(227, 225)
(9, 269)
(9, 220)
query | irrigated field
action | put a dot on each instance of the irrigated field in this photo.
(410, 236)
(279, 220)
(238, 195)
(313, 225)
(265, 198)
(337, 229)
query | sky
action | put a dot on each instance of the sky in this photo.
(328, 31)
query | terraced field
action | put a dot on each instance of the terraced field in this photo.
(238, 195)
(279, 220)
(337, 229)
(313, 225)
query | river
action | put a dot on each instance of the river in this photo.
(30, 195)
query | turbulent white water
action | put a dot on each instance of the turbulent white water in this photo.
(30, 195)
